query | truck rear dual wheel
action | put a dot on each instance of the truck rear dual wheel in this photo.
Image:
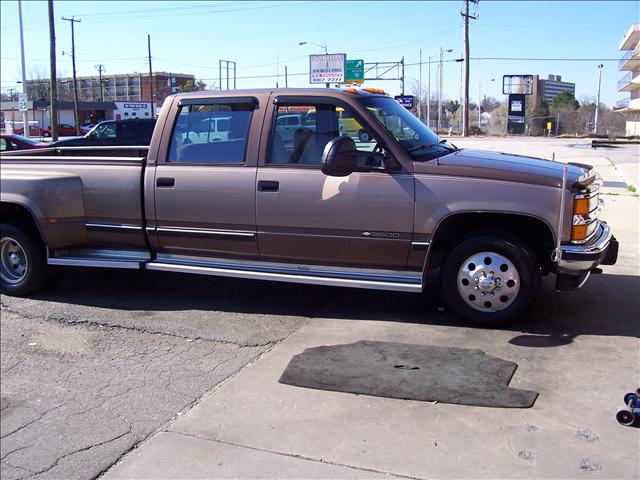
(23, 268)
(490, 280)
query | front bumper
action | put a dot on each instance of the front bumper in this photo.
(578, 261)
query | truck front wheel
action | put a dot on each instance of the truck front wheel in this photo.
(490, 280)
(23, 267)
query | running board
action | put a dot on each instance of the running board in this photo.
(99, 258)
(413, 282)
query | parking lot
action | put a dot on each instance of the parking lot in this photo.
(159, 375)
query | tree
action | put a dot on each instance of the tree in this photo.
(565, 99)
(192, 86)
(488, 104)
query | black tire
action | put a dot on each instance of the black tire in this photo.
(17, 251)
(498, 302)
(625, 417)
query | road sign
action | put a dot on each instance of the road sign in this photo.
(23, 103)
(405, 100)
(354, 71)
(328, 68)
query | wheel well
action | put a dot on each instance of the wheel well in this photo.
(20, 216)
(530, 230)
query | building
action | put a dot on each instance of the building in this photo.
(134, 87)
(552, 86)
(89, 112)
(630, 63)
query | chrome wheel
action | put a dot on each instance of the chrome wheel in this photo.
(14, 261)
(488, 281)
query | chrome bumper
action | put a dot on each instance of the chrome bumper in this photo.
(578, 261)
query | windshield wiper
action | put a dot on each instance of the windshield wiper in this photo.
(430, 145)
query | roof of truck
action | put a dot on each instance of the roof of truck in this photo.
(347, 91)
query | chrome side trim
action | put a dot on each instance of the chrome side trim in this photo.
(420, 246)
(202, 231)
(284, 277)
(112, 226)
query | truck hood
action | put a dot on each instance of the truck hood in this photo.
(503, 166)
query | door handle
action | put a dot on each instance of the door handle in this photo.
(268, 186)
(165, 182)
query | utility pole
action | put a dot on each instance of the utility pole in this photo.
(402, 62)
(53, 83)
(100, 68)
(420, 89)
(150, 73)
(439, 125)
(286, 77)
(76, 112)
(429, 96)
(595, 120)
(25, 114)
(465, 105)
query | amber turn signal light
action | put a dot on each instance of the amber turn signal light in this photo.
(581, 206)
(578, 232)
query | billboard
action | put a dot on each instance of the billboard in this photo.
(518, 84)
(327, 68)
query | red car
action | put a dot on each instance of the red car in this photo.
(10, 142)
(34, 131)
(67, 130)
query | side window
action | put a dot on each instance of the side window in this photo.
(315, 125)
(106, 130)
(213, 134)
(4, 145)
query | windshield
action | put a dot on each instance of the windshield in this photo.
(413, 135)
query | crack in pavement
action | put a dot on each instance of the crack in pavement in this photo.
(301, 457)
(78, 451)
(56, 319)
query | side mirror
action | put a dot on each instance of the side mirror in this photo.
(339, 157)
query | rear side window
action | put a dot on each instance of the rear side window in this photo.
(211, 134)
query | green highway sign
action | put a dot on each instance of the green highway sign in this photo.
(354, 71)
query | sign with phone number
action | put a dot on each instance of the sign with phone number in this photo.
(328, 68)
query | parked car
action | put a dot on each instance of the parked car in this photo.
(67, 130)
(34, 131)
(382, 214)
(114, 132)
(10, 142)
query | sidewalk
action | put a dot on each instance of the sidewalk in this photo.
(579, 350)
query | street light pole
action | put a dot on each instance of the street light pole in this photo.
(480, 103)
(25, 114)
(595, 120)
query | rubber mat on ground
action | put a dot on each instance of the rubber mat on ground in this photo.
(412, 372)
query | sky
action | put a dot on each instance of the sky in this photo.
(262, 37)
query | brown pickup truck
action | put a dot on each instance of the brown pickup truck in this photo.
(359, 194)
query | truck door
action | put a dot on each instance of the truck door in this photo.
(304, 216)
(205, 186)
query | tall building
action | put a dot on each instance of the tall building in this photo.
(630, 63)
(115, 87)
(552, 86)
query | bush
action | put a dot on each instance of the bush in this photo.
(474, 130)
